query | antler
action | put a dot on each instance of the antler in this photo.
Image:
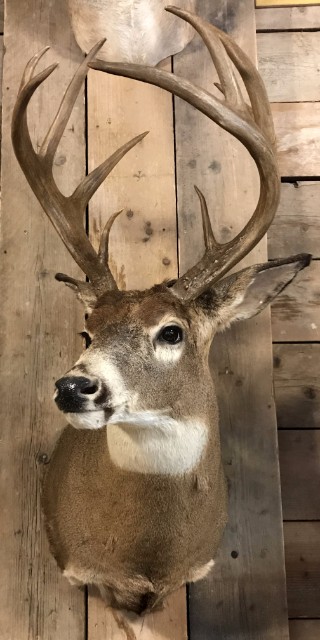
(252, 126)
(65, 213)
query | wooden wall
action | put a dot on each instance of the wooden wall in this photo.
(245, 596)
(288, 43)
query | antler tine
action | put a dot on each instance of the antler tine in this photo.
(254, 84)
(228, 84)
(30, 67)
(65, 213)
(93, 180)
(209, 239)
(252, 127)
(54, 135)
(104, 240)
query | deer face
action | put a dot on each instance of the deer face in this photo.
(144, 355)
(148, 351)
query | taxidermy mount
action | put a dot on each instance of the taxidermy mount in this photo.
(135, 498)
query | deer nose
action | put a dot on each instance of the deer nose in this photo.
(73, 392)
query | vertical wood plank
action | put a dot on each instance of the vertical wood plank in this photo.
(244, 596)
(1, 71)
(143, 252)
(39, 324)
(1, 15)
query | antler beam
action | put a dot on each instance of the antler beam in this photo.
(253, 126)
(65, 213)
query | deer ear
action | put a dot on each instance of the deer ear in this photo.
(242, 295)
(83, 290)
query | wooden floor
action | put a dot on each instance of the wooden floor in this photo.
(244, 598)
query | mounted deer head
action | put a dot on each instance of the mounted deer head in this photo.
(141, 395)
(136, 30)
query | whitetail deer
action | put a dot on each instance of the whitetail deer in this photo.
(135, 497)
(136, 30)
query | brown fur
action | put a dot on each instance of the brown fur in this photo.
(139, 536)
(136, 534)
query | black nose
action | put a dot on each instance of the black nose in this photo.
(73, 393)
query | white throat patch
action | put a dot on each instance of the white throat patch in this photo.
(152, 442)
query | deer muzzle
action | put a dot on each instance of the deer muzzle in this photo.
(81, 394)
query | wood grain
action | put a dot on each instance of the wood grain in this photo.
(296, 226)
(1, 65)
(302, 551)
(304, 629)
(297, 385)
(281, 3)
(143, 243)
(296, 311)
(299, 452)
(288, 18)
(290, 66)
(1, 16)
(298, 141)
(143, 252)
(167, 624)
(1, 71)
(39, 325)
(245, 595)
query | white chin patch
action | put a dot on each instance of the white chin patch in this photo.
(87, 419)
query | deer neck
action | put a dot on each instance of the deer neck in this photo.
(154, 442)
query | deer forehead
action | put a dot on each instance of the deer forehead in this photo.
(142, 310)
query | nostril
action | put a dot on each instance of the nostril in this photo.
(74, 393)
(92, 388)
(76, 386)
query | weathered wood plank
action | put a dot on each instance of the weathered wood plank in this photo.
(281, 3)
(296, 311)
(1, 16)
(143, 182)
(290, 65)
(39, 325)
(296, 226)
(284, 18)
(297, 385)
(1, 66)
(107, 624)
(244, 597)
(297, 130)
(302, 551)
(304, 629)
(1, 71)
(299, 452)
(143, 252)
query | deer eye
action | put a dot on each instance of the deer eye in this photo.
(171, 334)
(87, 338)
